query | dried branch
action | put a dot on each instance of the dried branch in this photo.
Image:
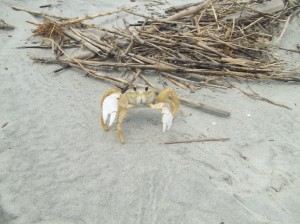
(255, 95)
(200, 45)
(197, 140)
(205, 108)
(39, 13)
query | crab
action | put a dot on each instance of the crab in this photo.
(115, 105)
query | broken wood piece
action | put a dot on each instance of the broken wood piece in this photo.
(197, 140)
(292, 50)
(205, 108)
(255, 95)
(46, 6)
(4, 124)
(79, 39)
(89, 17)
(179, 7)
(39, 13)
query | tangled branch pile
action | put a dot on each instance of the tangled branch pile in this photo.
(192, 45)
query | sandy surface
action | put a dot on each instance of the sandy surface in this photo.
(57, 165)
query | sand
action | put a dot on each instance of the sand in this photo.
(58, 166)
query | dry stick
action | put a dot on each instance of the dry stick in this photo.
(284, 29)
(204, 46)
(84, 37)
(151, 61)
(138, 72)
(180, 79)
(197, 140)
(205, 108)
(188, 82)
(88, 17)
(177, 83)
(70, 21)
(129, 46)
(46, 46)
(181, 14)
(232, 29)
(253, 23)
(292, 50)
(152, 18)
(4, 124)
(214, 12)
(141, 41)
(180, 7)
(255, 95)
(82, 41)
(93, 74)
(39, 13)
(190, 71)
(94, 39)
(46, 6)
(147, 81)
(116, 81)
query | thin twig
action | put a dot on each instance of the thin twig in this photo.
(205, 108)
(284, 29)
(39, 13)
(197, 140)
(255, 95)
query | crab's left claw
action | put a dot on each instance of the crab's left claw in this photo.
(114, 106)
(167, 119)
(110, 108)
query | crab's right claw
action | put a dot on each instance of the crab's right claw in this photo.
(110, 108)
(167, 119)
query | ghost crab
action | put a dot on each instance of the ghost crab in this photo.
(115, 105)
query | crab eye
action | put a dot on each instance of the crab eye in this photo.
(134, 88)
(146, 88)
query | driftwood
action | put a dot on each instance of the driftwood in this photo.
(197, 140)
(255, 95)
(192, 46)
(39, 13)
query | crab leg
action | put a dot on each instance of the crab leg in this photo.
(122, 115)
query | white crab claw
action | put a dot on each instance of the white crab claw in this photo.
(110, 108)
(167, 119)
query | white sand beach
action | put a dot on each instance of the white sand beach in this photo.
(58, 166)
